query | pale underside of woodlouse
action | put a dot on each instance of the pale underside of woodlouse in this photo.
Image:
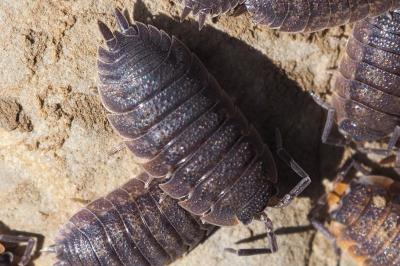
(133, 225)
(363, 219)
(314, 15)
(365, 103)
(182, 127)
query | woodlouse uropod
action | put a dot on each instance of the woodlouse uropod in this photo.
(9, 242)
(133, 225)
(365, 103)
(184, 129)
(363, 217)
(294, 15)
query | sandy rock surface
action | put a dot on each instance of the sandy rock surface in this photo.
(55, 139)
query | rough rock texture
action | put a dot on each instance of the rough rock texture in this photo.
(55, 139)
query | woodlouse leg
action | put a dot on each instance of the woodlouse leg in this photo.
(273, 245)
(330, 121)
(305, 178)
(30, 246)
(348, 166)
(116, 149)
(317, 212)
(391, 146)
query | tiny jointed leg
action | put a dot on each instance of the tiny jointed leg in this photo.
(30, 246)
(330, 121)
(273, 245)
(305, 178)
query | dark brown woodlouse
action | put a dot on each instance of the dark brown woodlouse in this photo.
(9, 242)
(365, 103)
(133, 225)
(362, 216)
(294, 15)
(184, 129)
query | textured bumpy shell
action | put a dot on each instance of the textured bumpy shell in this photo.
(204, 8)
(130, 226)
(365, 217)
(367, 90)
(314, 15)
(182, 127)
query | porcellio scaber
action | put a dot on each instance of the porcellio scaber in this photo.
(314, 15)
(133, 225)
(295, 15)
(182, 128)
(362, 216)
(365, 103)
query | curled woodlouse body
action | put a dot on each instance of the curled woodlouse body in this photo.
(363, 219)
(314, 15)
(365, 103)
(204, 8)
(182, 127)
(133, 225)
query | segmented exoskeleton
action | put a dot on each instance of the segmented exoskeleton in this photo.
(363, 218)
(314, 15)
(133, 225)
(183, 128)
(365, 102)
(295, 15)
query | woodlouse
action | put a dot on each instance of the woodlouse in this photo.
(133, 225)
(9, 242)
(295, 16)
(309, 16)
(365, 102)
(183, 128)
(363, 217)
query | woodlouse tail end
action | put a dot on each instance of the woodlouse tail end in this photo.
(121, 20)
(107, 34)
(186, 11)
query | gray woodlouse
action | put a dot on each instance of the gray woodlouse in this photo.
(314, 15)
(133, 225)
(294, 15)
(362, 216)
(183, 128)
(365, 103)
(9, 242)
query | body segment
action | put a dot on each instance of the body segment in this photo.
(132, 225)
